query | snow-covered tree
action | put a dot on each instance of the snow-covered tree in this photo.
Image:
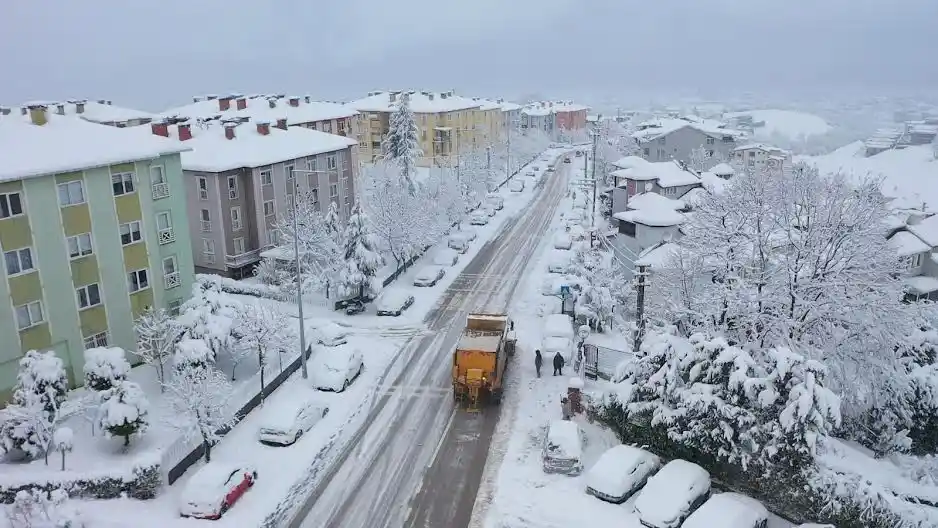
(36, 407)
(263, 332)
(403, 223)
(63, 440)
(200, 400)
(157, 332)
(209, 315)
(603, 285)
(191, 353)
(362, 259)
(105, 367)
(319, 245)
(402, 144)
(702, 159)
(124, 410)
(38, 508)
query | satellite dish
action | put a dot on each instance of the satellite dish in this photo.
(649, 186)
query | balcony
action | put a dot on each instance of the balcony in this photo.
(209, 258)
(248, 257)
(166, 236)
(171, 280)
(206, 226)
(160, 190)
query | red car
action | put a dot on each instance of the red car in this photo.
(214, 489)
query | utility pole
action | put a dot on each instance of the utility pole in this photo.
(640, 309)
(593, 216)
(299, 284)
(508, 154)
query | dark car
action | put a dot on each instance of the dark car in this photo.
(354, 307)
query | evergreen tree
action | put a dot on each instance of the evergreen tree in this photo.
(123, 411)
(362, 259)
(402, 145)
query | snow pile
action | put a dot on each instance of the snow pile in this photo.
(784, 123)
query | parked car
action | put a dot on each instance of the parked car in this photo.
(562, 241)
(215, 488)
(579, 153)
(567, 160)
(620, 471)
(285, 423)
(516, 185)
(576, 232)
(328, 334)
(458, 243)
(729, 510)
(394, 302)
(558, 263)
(429, 276)
(489, 210)
(354, 307)
(469, 233)
(550, 169)
(478, 218)
(672, 494)
(530, 173)
(563, 447)
(446, 257)
(334, 370)
(495, 200)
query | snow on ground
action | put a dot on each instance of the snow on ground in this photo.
(909, 175)
(786, 123)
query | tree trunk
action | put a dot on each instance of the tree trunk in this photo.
(162, 375)
(208, 449)
(63, 460)
(260, 363)
(234, 367)
(45, 455)
(126, 441)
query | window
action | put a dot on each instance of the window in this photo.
(238, 244)
(137, 280)
(174, 307)
(330, 162)
(710, 153)
(208, 246)
(205, 220)
(164, 222)
(290, 202)
(710, 141)
(169, 265)
(79, 245)
(272, 237)
(288, 172)
(265, 178)
(88, 296)
(912, 262)
(752, 153)
(646, 151)
(157, 176)
(122, 183)
(29, 314)
(130, 233)
(232, 188)
(627, 228)
(669, 191)
(203, 188)
(333, 190)
(269, 208)
(10, 205)
(236, 218)
(96, 340)
(311, 164)
(327, 126)
(18, 261)
(71, 193)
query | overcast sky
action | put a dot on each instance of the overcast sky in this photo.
(156, 54)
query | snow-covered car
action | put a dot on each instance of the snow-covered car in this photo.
(335, 369)
(446, 257)
(729, 510)
(576, 232)
(551, 345)
(495, 200)
(329, 334)
(530, 172)
(458, 243)
(672, 494)
(478, 218)
(559, 262)
(620, 471)
(579, 153)
(215, 488)
(489, 209)
(285, 423)
(553, 285)
(394, 302)
(354, 307)
(429, 276)
(550, 169)
(567, 160)
(469, 233)
(563, 448)
(562, 241)
(516, 185)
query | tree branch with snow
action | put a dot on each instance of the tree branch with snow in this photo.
(200, 400)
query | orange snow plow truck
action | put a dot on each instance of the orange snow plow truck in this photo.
(481, 356)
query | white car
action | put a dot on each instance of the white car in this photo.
(470, 234)
(458, 243)
(563, 448)
(620, 472)
(284, 424)
(489, 210)
(562, 241)
(729, 510)
(394, 302)
(672, 494)
(446, 257)
(516, 185)
(214, 489)
(551, 345)
(478, 218)
(429, 276)
(495, 200)
(559, 262)
(577, 232)
(335, 369)
(329, 334)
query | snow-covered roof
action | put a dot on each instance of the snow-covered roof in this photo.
(651, 200)
(906, 244)
(656, 256)
(421, 102)
(921, 284)
(655, 128)
(68, 143)
(258, 109)
(536, 110)
(665, 173)
(759, 146)
(99, 111)
(655, 212)
(927, 230)
(211, 151)
(723, 169)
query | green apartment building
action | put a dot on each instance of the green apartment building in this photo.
(93, 230)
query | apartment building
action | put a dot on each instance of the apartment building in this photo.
(538, 116)
(243, 176)
(674, 138)
(759, 156)
(101, 111)
(93, 230)
(570, 115)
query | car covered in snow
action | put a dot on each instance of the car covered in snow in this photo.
(562, 241)
(355, 307)
(328, 333)
(489, 210)
(576, 232)
(335, 369)
(393, 302)
(672, 494)
(531, 172)
(579, 153)
(478, 218)
(428, 276)
(286, 422)
(729, 510)
(215, 488)
(469, 233)
(563, 448)
(495, 200)
(516, 185)
(446, 257)
(567, 160)
(458, 242)
(620, 471)
(559, 262)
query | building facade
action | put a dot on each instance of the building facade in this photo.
(92, 236)
(668, 139)
(758, 156)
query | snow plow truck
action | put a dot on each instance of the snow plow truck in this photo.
(480, 358)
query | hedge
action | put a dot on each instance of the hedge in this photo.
(143, 483)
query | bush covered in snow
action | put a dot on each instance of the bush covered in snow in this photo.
(105, 367)
(191, 353)
(28, 422)
(40, 509)
(229, 285)
(209, 315)
(123, 411)
(142, 482)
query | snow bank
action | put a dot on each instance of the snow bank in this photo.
(787, 123)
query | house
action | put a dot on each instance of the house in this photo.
(538, 116)
(649, 220)
(101, 111)
(915, 240)
(674, 138)
(93, 230)
(240, 179)
(759, 156)
(634, 175)
(570, 115)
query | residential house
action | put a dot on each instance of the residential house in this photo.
(93, 230)
(634, 176)
(570, 116)
(101, 111)
(915, 239)
(665, 139)
(649, 220)
(759, 156)
(538, 116)
(240, 180)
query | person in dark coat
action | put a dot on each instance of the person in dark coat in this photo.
(537, 362)
(558, 364)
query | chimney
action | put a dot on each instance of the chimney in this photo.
(282, 123)
(160, 129)
(392, 96)
(4, 110)
(272, 102)
(294, 101)
(211, 97)
(224, 103)
(102, 101)
(60, 109)
(263, 128)
(308, 98)
(80, 107)
(230, 130)
(185, 133)
(430, 96)
(24, 110)
(242, 103)
(109, 102)
(37, 114)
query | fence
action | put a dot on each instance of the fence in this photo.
(601, 362)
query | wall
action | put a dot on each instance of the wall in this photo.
(645, 237)
(217, 189)
(679, 144)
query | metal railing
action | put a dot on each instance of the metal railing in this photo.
(166, 236)
(236, 261)
(206, 226)
(171, 280)
(160, 190)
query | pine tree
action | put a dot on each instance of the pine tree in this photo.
(402, 145)
(36, 407)
(362, 259)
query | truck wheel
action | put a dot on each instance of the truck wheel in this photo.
(497, 397)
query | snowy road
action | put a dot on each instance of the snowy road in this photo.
(389, 475)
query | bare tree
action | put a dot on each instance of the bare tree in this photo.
(200, 398)
(157, 333)
(264, 331)
(319, 245)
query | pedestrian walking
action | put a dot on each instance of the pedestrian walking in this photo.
(537, 362)
(558, 364)
(566, 409)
